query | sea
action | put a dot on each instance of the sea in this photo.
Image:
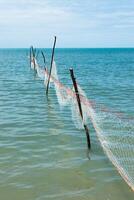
(43, 155)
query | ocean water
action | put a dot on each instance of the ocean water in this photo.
(42, 153)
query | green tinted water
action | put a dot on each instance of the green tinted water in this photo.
(42, 154)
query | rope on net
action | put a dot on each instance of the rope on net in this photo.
(114, 132)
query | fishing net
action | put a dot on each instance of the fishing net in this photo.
(117, 139)
(114, 132)
(62, 97)
(37, 68)
(32, 62)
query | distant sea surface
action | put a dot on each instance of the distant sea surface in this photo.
(42, 153)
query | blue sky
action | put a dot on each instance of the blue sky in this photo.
(77, 23)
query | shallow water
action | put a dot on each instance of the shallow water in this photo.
(42, 154)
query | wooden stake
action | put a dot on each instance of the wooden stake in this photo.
(30, 56)
(32, 50)
(52, 58)
(44, 59)
(80, 107)
(33, 55)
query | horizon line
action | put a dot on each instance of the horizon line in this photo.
(68, 47)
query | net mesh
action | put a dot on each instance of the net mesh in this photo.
(114, 132)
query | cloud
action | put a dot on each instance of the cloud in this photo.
(78, 23)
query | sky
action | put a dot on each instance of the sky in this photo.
(76, 23)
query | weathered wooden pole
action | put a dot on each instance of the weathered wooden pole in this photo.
(33, 56)
(32, 50)
(80, 107)
(30, 56)
(52, 59)
(44, 59)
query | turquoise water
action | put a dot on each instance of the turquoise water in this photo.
(42, 154)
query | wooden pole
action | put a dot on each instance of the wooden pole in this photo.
(30, 56)
(33, 55)
(32, 50)
(80, 107)
(52, 58)
(44, 59)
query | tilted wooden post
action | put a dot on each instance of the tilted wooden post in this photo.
(33, 55)
(52, 59)
(30, 56)
(80, 107)
(44, 59)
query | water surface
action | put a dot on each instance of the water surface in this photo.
(42, 154)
